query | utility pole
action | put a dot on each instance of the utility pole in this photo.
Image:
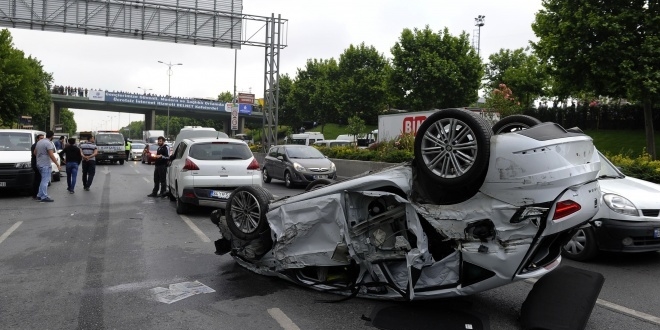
(169, 95)
(479, 22)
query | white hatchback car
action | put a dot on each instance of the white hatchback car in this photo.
(205, 171)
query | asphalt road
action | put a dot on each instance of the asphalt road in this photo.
(90, 260)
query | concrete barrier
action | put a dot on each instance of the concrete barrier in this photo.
(346, 168)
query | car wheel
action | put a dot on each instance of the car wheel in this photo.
(582, 246)
(514, 123)
(181, 207)
(287, 180)
(171, 195)
(246, 212)
(318, 183)
(142, 160)
(452, 149)
(121, 162)
(265, 176)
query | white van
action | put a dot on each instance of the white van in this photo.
(15, 158)
(333, 143)
(307, 139)
(191, 132)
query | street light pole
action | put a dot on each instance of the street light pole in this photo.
(479, 22)
(169, 95)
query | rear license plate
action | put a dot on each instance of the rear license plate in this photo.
(110, 157)
(656, 233)
(3, 184)
(319, 176)
(220, 194)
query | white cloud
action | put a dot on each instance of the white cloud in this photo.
(317, 29)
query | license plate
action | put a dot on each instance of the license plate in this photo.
(656, 233)
(110, 157)
(319, 176)
(3, 184)
(220, 194)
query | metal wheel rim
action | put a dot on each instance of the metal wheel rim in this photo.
(264, 174)
(578, 243)
(245, 212)
(449, 148)
(287, 179)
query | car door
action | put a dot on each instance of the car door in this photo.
(175, 166)
(270, 163)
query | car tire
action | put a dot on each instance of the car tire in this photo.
(287, 180)
(181, 207)
(246, 212)
(121, 162)
(318, 183)
(582, 246)
(514, 123)
(264, 175)
(437, 159)
(142, 160)
(171, 195)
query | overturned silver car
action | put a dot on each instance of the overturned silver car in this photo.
(471, 212)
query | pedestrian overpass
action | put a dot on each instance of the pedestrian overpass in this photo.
(151, 106)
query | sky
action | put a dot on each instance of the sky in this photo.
(316, 29)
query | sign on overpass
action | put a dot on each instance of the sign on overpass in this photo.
(163, 101)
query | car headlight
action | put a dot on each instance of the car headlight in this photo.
(333, 167)
(620, 204)
(298, 167)
(23, 165)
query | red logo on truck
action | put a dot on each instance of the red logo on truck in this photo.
(411, 124)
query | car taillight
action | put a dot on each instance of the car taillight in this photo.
(190, 166)
(254, 165)
(565, 208)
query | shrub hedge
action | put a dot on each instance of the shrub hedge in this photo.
(641, 167)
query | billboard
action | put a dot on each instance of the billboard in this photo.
(157, 101)
(245, 98)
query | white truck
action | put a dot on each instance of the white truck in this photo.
(151, 136)
(392, 126)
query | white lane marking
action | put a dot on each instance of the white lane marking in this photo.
(194, 228)
(618, 308)
(9, 231)
(136, 170)
(281, 318)
(630, 312)
(145, 179)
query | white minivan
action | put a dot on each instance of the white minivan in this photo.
(15, 159)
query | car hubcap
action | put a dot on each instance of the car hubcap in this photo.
(245, 212)
(449, 148)
(287, 179)
(577, 242)
(265, 175)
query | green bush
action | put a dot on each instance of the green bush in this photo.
(642, 167)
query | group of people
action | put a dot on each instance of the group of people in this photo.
(70, 91)
(43, 153)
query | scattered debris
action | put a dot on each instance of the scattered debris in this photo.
(179, 291)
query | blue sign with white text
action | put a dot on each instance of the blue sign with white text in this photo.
(245, 109)
(163, 101)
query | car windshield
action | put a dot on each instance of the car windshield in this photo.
(304, 153)
(298, 141)
(14, 141)
(219, 151)
(607, 170)
(109, 139)
(138, 146)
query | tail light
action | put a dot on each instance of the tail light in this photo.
(254, 164)
(190, 166)
(565, 208)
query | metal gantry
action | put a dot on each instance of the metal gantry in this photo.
(214, 23)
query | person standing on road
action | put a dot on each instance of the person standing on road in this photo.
(59, 143)
(160, 172)
(89, 152)
(128, 149)
(45, 153)
(73, 158)
(37, 174)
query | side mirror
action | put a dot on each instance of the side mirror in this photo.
(280, 157)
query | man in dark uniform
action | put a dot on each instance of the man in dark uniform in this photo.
(160, 172)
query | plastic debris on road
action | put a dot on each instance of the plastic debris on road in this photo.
(179, 291)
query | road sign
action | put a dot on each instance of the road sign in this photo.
(245, 98)
(234, 118)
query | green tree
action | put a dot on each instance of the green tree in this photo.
(287, 113)
(313, 95)
(603, 47)
(24, 85)
(226, 97)
(363, 75)
(434, 70)
(519, 71)
(356, 127)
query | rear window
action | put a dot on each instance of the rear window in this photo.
(109, 139)
(220, 151)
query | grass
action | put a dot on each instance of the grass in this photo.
(627, 142)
